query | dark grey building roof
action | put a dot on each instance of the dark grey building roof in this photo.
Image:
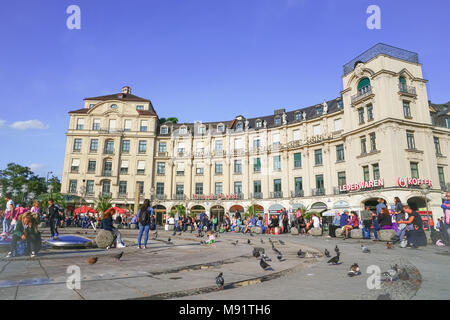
(440, 114)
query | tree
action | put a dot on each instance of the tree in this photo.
(57, 197)
(164, 120)
(103, 203)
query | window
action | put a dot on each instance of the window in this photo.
(144, 125)
(373, 142)
(180, 169)
(218, 168)
(141, 187)
(199, 170)
(141, 167)
(73, 186)
(160, 188)
(219, 145)
(316, 130)
(91, 106)
(77, 145)
(276, 139)
(297, 160)
(278, 121)
(122, 187)
(406, 109)
(318, 157)
(361, 115)
(164, 130)
(80, 124)
(106, 187)
(340, 152)
(112, 125)
(364, 86)
(237, 187)
(239, 126)
(441, 177)
(338, 125)
(92, 164)
(199, 147)
(181, 147)
(296, 135)
(161, 168)
(199, 188)
(90, 187)
(366, 173)
(94, 145)
(257, 186)
(376, 171)
(414, 170)
(447, 121)
(320, 184)
(258, 124)
(126, 146)
(369, 112)
(319, 110)
(202, 130)
(437, 146)
(162, 147)
(218, 188)
(114, 106)
(298, 182)
(341, 178)
(277, 187)
(75, 165)
(257, 165)
(238, 144)
(139, 107)
(237, 166)
(220, 128)
(107, 168)
(127, 125)
(298, 116)
(277, 163)
(109, 147)
(96, 125)
(124, 167)
(256, 143)
(410, 140)
(142, 146)
(363, 145)
(183, 130)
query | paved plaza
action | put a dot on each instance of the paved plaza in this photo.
(185, 269)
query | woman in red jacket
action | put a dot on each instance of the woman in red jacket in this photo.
(353, 223)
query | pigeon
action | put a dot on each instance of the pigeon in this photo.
(251, 234)
(365, 249)
(92, 260)
(276, 250)
(403, 275)
(263, 264)
(179, 233)
(235, 243)
(391, 275)
(248, 241)
(262, 241)
(300, 253)
(336, 249)
(281, 242)
(266, 258)
(256, 253)
(335, 260)
(220, 281)
(156, 234)
(174, 233)
(202, 242)
(280, 257)
(354, 270)
(169, 240)
(327, 253)
(389, 245)
(118, 256)
(270, 240)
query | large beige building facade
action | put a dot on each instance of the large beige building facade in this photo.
(380, 138)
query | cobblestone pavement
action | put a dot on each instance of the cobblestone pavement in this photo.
(187, 270)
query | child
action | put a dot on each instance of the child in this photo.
(26, 230)
(211, 238)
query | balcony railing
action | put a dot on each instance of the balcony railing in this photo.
(297, 194)
(122, 195)
(179, 197)
(161, 196)
(407, 89)
(276, 195)
(162, 154)
(318, 192)
(180, 173)
(362, 93)
(107, 173)
(108, 151)
(336, 191)
(257, 195)
(106, 194)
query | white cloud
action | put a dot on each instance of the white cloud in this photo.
(2, 122)
(36, 166)
(29, 124)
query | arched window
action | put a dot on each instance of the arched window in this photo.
(114, 106)
(239, 126)
(364, 85)
(402, 83)
(402, 80)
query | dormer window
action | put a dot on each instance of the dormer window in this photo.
(164, 130)
(91, 106)
(340, 104)
(298, 116)
(183, 130)
(140, 107)
(278, 121)
(239, 126)
(258, 124)
(202, 130)
(114, 106)
(220, 128)
(319, 111)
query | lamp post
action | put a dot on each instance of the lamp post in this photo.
(424, 189)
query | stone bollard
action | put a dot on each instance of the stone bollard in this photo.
(356, 234)
(316, 231)
(339, 233)
(42, 225)
(256, 230)
(104, 239)
(133, 226)
(294, 231)
(428, 235)
(386, 235)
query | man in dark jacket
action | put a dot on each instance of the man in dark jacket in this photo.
(53, 218)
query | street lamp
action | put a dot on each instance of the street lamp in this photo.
(424, 189)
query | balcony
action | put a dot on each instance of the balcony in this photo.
(179, 197)
(107, 173)
(122, 195)
(276, 195)
(336, 191)
(161, 196)
(161, 173)
(362, 94)
(163, 154)
(408, 90)
(73, 191)
(297, 194)
(106, 194)
(90, 194)
(180, 173)
(219, 153)
(318, 192)
(108, 151)
(257, 195)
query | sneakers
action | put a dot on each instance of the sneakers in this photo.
(9, 255)
(33, 254)
(119, 245)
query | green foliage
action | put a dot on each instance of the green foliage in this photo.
(308, 215)
(57, 198)
(164, 120)
(103, 203)
(178, 208)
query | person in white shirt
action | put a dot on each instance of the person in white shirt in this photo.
(314, 223)
(9, 212)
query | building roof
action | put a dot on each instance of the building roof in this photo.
(119, 96)
(439, 113)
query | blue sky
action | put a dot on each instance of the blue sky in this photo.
(203, 60)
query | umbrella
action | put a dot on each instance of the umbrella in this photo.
(117, 209)
(329, 214)
(85, 209)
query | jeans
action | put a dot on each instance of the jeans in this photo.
(402, 232)
(54, 227)
(6, 225)
(376, 228)
(143, 228)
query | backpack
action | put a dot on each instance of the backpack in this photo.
(144, 217)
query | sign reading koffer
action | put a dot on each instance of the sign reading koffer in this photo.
(362, 185)
(404, 182)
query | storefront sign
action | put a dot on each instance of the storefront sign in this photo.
(362, 185)
(405, 182)
(216, 196)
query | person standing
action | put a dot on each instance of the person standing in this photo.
(445, 222)
(53, 218)
(9, 212)
(35, 208)
(144, 217)
(366, 218)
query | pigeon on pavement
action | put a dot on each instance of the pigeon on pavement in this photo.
(263, 264)
(300, 253)
(336, 249)
(118, 256)
(281, 242)
(354, 270)
(365, 249)
(335, 260)
(327, 253)
(92, 260)
(220, 281)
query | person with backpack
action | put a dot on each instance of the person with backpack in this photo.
(144, 218)
(445, 222)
